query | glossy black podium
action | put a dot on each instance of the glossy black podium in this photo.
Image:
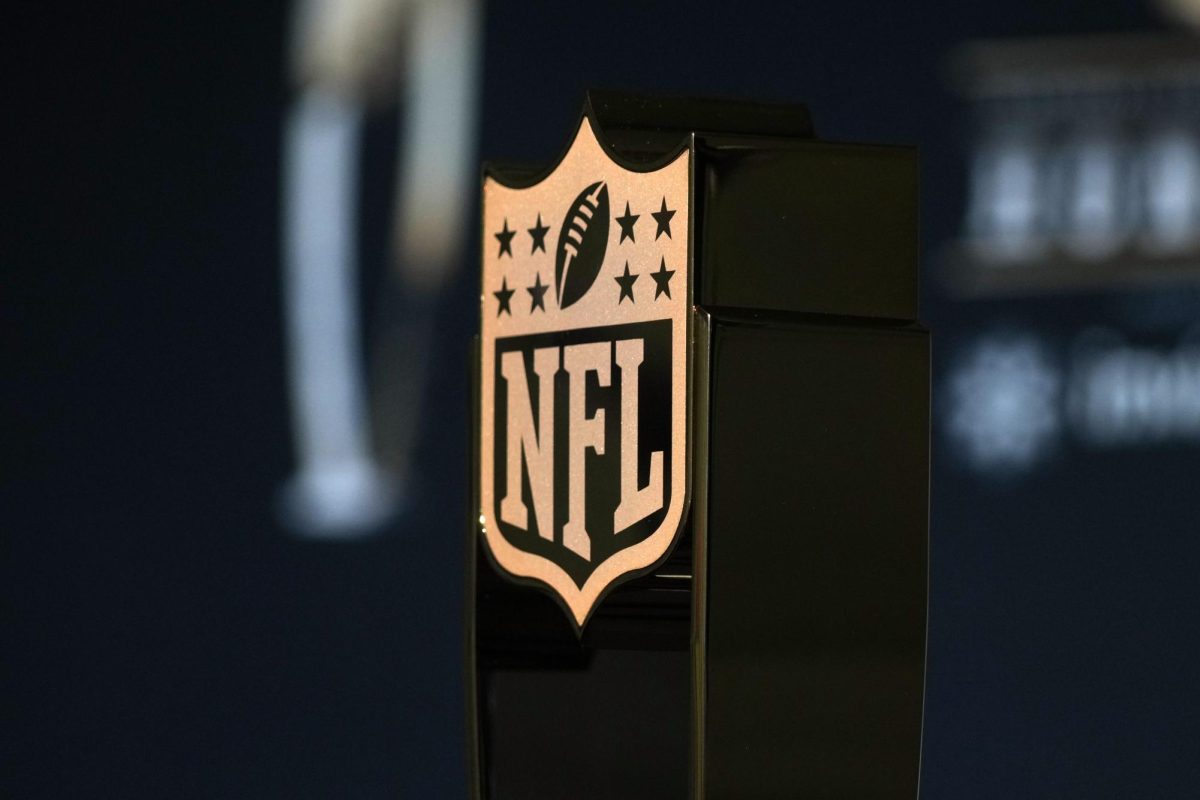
(779, 651)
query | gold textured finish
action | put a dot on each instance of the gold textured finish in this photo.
(518, 266)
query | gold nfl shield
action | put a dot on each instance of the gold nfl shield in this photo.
(586, 300)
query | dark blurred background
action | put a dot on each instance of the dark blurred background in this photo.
(174, 628)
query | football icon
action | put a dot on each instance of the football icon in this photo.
(582, 241)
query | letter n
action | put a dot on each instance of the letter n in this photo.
(536, 446)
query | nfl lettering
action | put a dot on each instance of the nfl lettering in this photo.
(522, 444)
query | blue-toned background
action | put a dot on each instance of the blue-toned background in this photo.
(167, 636)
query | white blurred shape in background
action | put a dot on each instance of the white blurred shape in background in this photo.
(1005, 200)
(1125, 395)
(1010, 403)
(1093, 225)
(1004, 403)
(1171, 169)
(346, 55)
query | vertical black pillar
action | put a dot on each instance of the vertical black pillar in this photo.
(779, 649)
(813, 542)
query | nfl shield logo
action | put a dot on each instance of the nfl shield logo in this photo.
(585, 316)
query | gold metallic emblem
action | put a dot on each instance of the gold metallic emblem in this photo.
(585, 310)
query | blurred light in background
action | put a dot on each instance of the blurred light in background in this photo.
(1083, 214)
(1004, 403)
(354, 429)
(1121, 395)
(1012, 399)
(1085, 165)
(339, 486)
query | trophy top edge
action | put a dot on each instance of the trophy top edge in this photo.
(643, 132)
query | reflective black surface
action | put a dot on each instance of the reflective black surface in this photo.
(808, 226)
(779, 651)
(816, 560)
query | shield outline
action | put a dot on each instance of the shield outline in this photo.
(529, 569)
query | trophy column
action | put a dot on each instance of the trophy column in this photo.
(811, 519)
(775, 645)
